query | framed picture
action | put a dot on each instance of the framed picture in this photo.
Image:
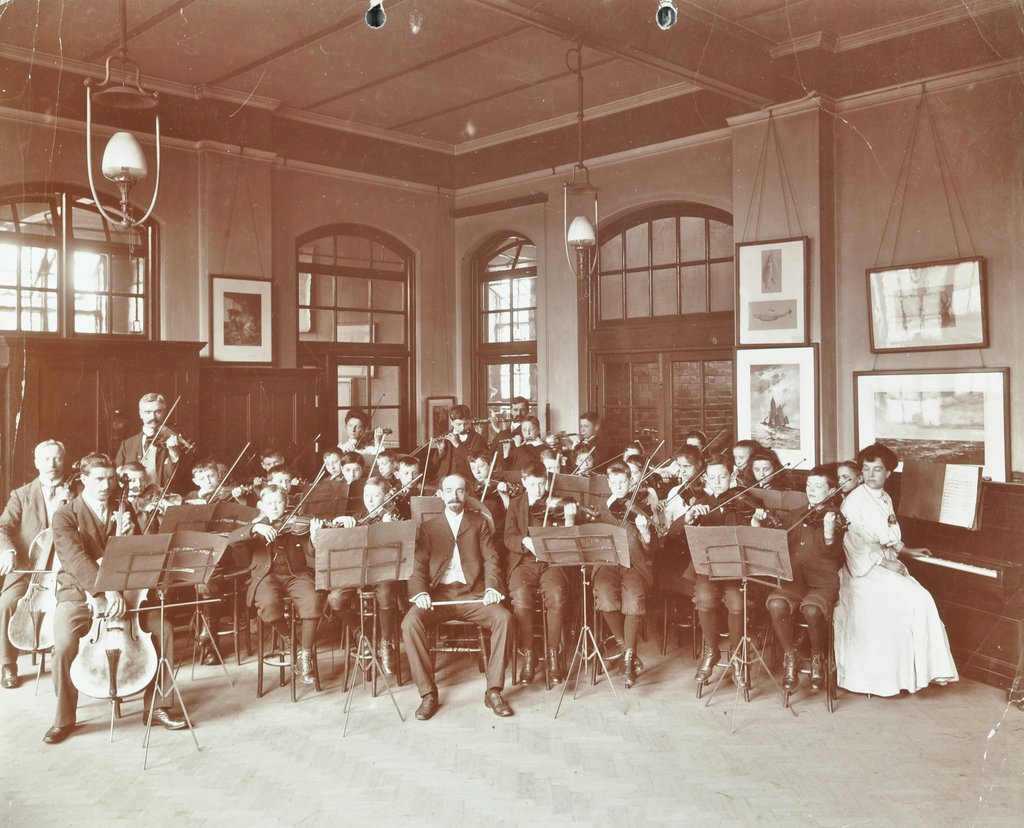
(956, 416)
(437, 415)
(240, 316)
(925, 307)
(777, 401)
(771, 292)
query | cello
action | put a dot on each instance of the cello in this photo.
(30, 627)
(116, 658)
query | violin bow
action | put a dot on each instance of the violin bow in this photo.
(636, 491)
(160, 497)
(487, 482)
(383, 505)
(813, 509)
(713, 440)
(757, 485)
(224, 479)
(582, 460)
(547, 499)
(426, 466)
(301, 454)
(294, 513)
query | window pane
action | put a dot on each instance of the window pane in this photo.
(611, 254)
(353, 327)
(722, 286)
(722, 246)
(499, 327)
(321, 291)
(389, 328)
(39, 267)
(90, 271)
(319, 326)
(353, 293)
(387, 381)
(611, 296)
(691, 231)
(8, 310)
(89, 224)
(318, 251)
(127, 316)
(638, 298)
(39, 311)
(693, 281)
(388, 295)
(524, 292)
(636, 246)
(124, 274)
(524, 326)
(666, 288)
(9, 264)
(663, 241)
(385, 259)
(90, 313)
(34, 217)
(498, 294)
(387, 418)
(353, 251)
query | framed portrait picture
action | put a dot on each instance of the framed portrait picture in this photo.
(941, 416)
(777, 401)
(771, 292)
(437, 415)
(240, 317)
(925, 307)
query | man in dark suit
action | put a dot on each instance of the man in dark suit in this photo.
(157, 449)
(456, 561)
(28, 513)
(80, 533)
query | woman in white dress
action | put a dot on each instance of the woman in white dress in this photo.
(888, 634)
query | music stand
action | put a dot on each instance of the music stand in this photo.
(160, 562)
(743, 553)
(360, 558)
(591, 544)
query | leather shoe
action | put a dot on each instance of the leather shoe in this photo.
(10, 679)
(526, 675)
(493, 699)
(163, 716)
(428, 707)
(55, 735)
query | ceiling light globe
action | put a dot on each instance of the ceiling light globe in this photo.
(581, 233)
(123, 158)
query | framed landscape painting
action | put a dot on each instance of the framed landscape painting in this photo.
(240, 319)
(940, 416)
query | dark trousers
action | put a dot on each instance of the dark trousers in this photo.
(12, 592)
(418, 625)
(71, 621)
(554, 591)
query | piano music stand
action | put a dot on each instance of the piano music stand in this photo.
(591, 544)
(160, 562)
(362, 557)
(743, 553)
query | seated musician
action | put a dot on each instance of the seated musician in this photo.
(81, 530)
(888, 634)
(647, 499)
(763, 464)
(453, 449)
(283, 478)
(696, 437)
(270, 457)
(816, 552)
(281, 560)
(358, 437)
(157, 449)
(554, 461)
(144, 496)
(525, 574)
(456, 561)
(408, 469)
(332, 464)
(707, 594)
(621, 592)
(377, 508)
(29, 511)
(741, 473)
(672, 561)
(526, 445)
(583, 461)
(207, 477)
(848, 476)
(387, 466)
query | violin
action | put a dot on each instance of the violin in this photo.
(30, 627)
(116, 659)
(552, 511)
(627, 512)
(293, 525)
(184, 444)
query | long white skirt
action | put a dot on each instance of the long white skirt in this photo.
(888, 635)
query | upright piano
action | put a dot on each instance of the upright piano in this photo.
(977, 580)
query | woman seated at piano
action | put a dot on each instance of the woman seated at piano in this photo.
(888, 634)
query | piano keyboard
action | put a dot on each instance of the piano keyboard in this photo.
(985, 572)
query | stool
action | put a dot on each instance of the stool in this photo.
(239, 614)
(277, 657)
(830, 666)
(670, 604)
(461, 637)
(368, 615)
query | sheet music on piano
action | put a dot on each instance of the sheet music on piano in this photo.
(941, 492)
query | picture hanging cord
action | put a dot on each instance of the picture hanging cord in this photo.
(757, 190)
(242, 170)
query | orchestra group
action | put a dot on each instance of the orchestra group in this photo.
(475, 559)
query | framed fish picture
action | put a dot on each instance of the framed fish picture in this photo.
(777, 401)
(771, 292)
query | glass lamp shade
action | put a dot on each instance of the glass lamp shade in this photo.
(581, 233)
(123, 159)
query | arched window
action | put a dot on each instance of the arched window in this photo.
(354, 300)
(671, 260)
(505, 322)
(65, 271)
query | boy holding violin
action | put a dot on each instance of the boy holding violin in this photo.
(621, 592)
(525, 574)
(280, 555)
(816, 552)
(81, 530)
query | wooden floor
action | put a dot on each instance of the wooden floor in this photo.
(952, 756)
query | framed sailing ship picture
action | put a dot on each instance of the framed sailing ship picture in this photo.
(928, 307)
(771, 292)
(777, 401)
(941, 416)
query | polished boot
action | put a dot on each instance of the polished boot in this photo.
(493, 700)
(9, 679)
(304, 666)
(629, 667)
(739, 677)
(817, 672)
(617, 653)
(387, 657)
(529, 670)
(790, 673)
(162, 716)
(555, 666)
(708, 657)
